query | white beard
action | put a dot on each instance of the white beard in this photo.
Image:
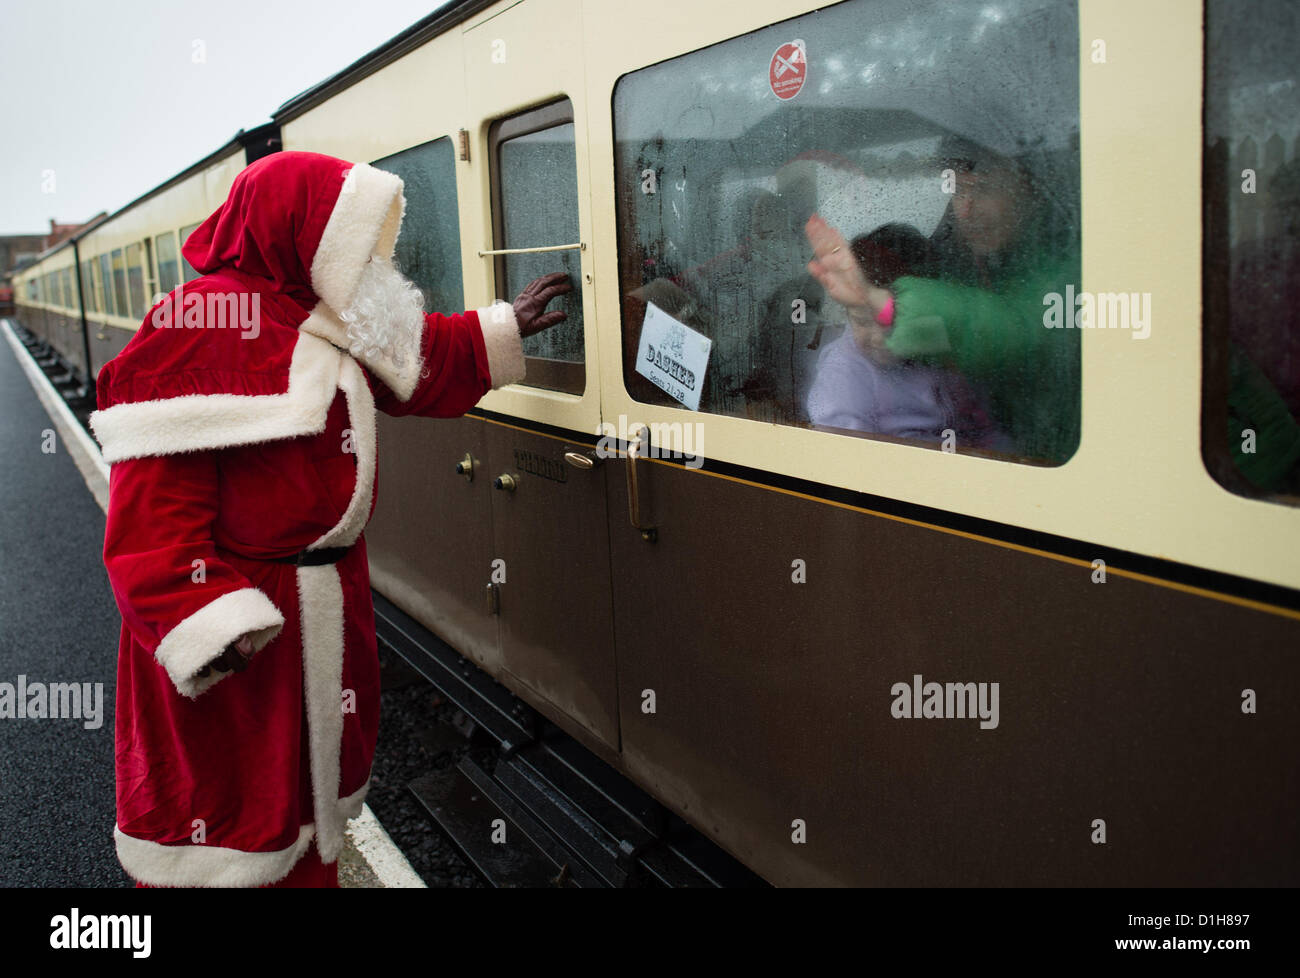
(385, 320)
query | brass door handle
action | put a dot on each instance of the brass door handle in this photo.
(648, 533)
(581, 460)
(465, 467)
(506, 483)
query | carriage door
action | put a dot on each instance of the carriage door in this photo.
(550, 567)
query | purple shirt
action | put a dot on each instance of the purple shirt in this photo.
(903, 400)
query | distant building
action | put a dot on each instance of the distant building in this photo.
(20, 250)
(17, 250)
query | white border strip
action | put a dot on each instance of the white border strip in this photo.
(80, 445)
(379, 851)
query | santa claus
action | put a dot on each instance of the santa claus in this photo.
(243, 473)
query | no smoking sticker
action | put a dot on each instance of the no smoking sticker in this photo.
(788, 70)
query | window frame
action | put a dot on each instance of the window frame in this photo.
(105, 280)
(172, 236)
(543, 373)
(1216, 261)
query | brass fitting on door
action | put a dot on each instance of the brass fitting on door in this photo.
(465, 467)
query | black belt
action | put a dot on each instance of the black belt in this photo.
(314, 558)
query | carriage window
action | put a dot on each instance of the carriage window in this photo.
(428, 249)
(1251, 244)
(119, 283)
(937, 145)
(88, 284)
(66, 277)
(150, 275)
(535, 205)
(168, 263)
(106, 284)
(135, 280)
(190, 273)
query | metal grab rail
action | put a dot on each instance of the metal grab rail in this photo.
(578, 246)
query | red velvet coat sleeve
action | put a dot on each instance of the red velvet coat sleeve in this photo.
(180, 600)
(455, 374)
(464, 356)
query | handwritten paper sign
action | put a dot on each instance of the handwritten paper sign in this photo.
(673, 356)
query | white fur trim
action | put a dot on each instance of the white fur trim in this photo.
(402, 380)
(366, 220)
(320, 595)
(192, 865)
(204, 635)
(361, 420)
(187, 865)
(505, 348)
(195, 422)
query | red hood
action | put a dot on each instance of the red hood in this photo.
(304, 221)
(287, 248)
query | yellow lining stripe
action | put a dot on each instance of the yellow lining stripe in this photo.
(1271, 609)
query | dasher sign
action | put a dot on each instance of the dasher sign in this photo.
(673, 356)
(788, 70)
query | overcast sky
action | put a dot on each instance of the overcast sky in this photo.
(108, 94)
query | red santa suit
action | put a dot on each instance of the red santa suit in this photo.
(234, 446)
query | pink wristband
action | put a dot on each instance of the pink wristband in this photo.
(886, 315)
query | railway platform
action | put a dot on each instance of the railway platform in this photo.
(59, 628)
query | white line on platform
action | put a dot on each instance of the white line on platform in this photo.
(381, 853)
(85, 453)
(371, 841)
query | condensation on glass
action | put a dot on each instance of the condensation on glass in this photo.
(135, 280)
(190, 273)
(119, 283)
(535, 205)
(168, 262)
(940, 141)
(1251, 281)
(106, 284)
(88, 285)
(428, 249)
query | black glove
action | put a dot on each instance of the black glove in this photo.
(530, 306)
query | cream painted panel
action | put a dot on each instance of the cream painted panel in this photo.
(1137, 481)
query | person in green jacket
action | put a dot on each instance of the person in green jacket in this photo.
(1003, 247)
(1000, 250)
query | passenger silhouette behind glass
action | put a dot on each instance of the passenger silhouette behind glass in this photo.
(859, 385)
(1003, 244)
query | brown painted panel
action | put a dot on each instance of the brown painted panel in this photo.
(557, 633)
(69, 341)
(1119, 701)
(430, 538)
(106, 342)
